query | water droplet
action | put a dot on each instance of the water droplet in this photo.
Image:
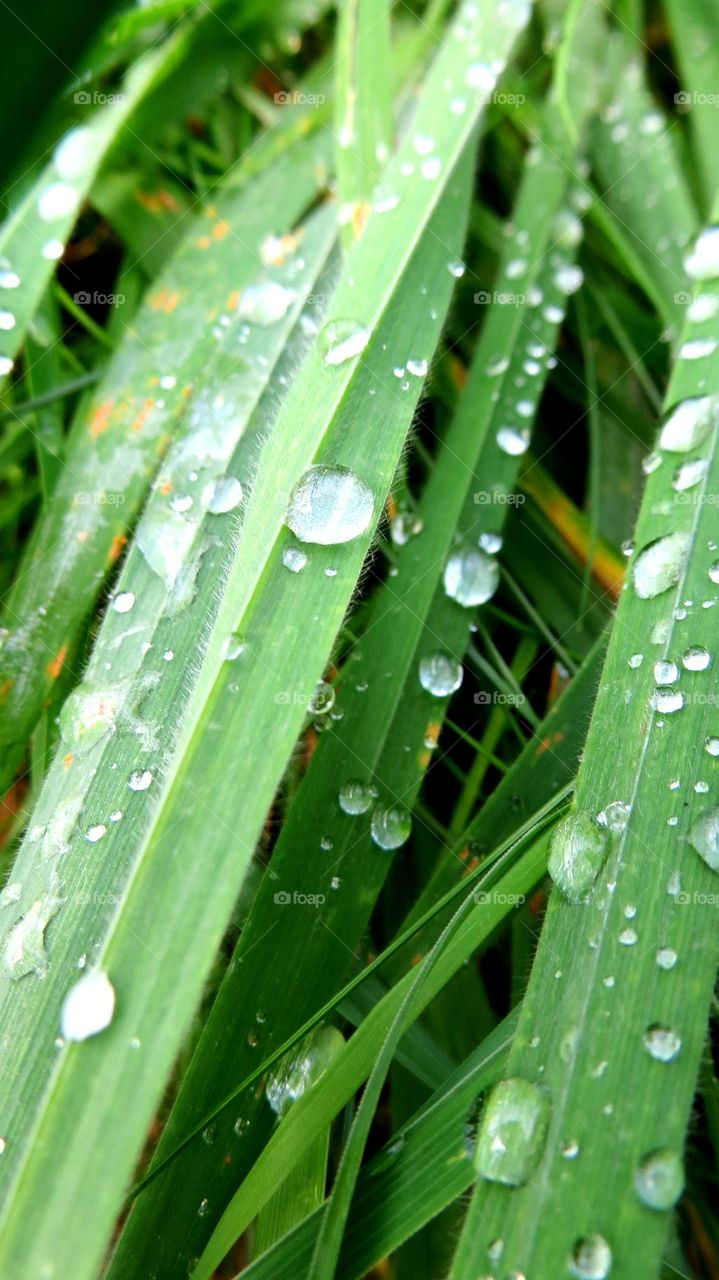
(697, 658)
(666, 958)
(689, 424)
(471, 577)
(659, 565)
(355, 797)
(667, 701)
(711, 746)
(123, 602)
(440, 674)
(322, 700)
(74, 154)
(58, 200)
(88, 1006)
(697, 348)
(578, 851)
(665, 672)
(659, 1179)
(688, 474)
(300, 1068)
(628, 937)
(635, 660)
(329, 505)
(87, 716)
(24, 950)
(566, 229)
(704, 837)
(140, 780)
(391, 826)
(512, 1132)
(418, 368)
(341, 340)
(294, 559)
(591, 1258)
(222, 495)
(264, 304)
(661, 1043)
(93, 834)
(513, 440)
(703, 261)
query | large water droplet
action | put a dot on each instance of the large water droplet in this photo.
(591, 1258)
(391, 826)
(440, 674)
(703, 261)
(340, 340)
(471, 577)
(264, 304)
(222, 495)
(74, 154)
(329, 505)
(87, 716)
(659, 1179)
(356, 797)
(696, 658)
(302, 1066)
(704, 837)
(578, 851)
(659, 565)
(88, 1006)
(661, 1043)
(512, 1132)
(689, 424)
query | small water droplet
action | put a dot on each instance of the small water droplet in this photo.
(266, 303)
(391, 826)
(666, 958)
(222, 495)
(659, 1179)
(471, 576)
(123, 602)
(294, 559)
(704, 837)
(341, 340)
(355, 797)
(702, 263)
(659, 565)
(661, 1043)
(689, 424)
(591, 1258)
(140, 780)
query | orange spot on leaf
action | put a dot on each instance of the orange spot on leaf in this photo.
(99, 421)
(116, 546)
(55, 667)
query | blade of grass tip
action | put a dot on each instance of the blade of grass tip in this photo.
(635, 161)
(633, 939)
(304, 1188)
(151, 1221)
(693, 26)
(354, 1064)
(363, 111)
(424, 1168)
(128, 421)
(358, 748)
(34, 236)
(156, 997)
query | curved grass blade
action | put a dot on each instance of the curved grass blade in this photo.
(366, 744)
(693, 25)
(637, 959)
(33, 237)
(124, 429)
(354, 1064)
(363, 112)
(426, 1166)
(225, 714)
(635, 160)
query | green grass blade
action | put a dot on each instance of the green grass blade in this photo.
(638, 958)
(33, 237)
(693, 28)
(363, 112)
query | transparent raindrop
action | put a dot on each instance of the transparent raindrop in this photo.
(329, 505)
(512, 1132)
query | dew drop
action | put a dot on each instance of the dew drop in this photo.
(341, 340)
(140, 780)
(659, 565)
(294, 559)
(513, 440)
(689, 424)
(512, 1132)
(666, 958)
(578, 851)
(697, 658)
(591, 1258)
(704, 837)
(123, 602)
(391, 826)
(702, 263)
(440, 674)
(88, 1006)
(661, 1043)
(355, 797)
(222, 495)
(264, 304)
(471, 577)
(659, 1179)
(322, 700)
(329, 505)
